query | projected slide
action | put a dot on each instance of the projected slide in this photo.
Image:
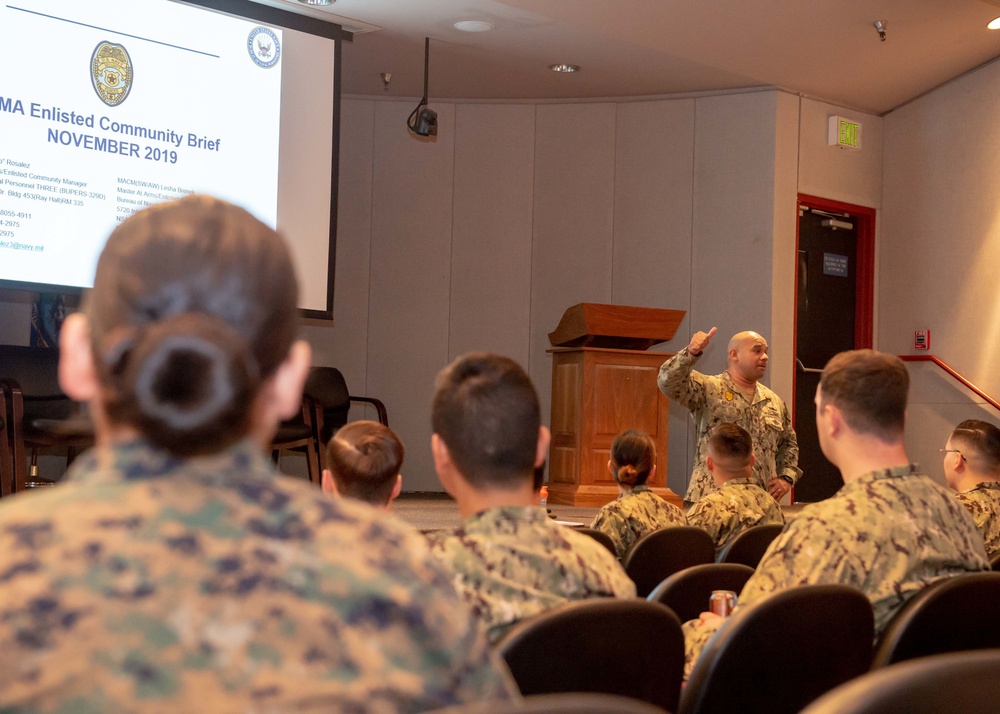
(107, 106)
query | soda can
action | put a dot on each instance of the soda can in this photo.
(722, 602)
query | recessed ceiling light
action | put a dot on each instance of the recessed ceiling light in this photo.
(564, 67)
(317, 2)
(994, 24)
(473, 26)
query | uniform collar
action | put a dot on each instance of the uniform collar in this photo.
(505, 514)
(138, 460)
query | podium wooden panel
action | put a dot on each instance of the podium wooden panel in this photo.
(597, 394)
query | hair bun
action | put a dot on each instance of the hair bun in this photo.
(187, 382)
(628, 474)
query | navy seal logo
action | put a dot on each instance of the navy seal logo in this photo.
(111, 70)
(262, 44)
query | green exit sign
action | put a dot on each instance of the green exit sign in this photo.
(845, 133)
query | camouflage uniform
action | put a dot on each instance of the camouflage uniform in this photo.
(713, 400)
(738, 505)
(889, 533)
(514, 562)
(983, 502)
(634, 514)
(211, 584)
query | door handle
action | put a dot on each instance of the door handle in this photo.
(807, 370)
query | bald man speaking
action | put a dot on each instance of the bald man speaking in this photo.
(734, 396)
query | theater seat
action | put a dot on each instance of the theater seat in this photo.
(631, 648)
(687, 592)
(960, 682)
(749, 546)
(658, 555)
(779, 654)
(951, 615)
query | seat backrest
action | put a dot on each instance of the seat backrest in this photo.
(687, 592)
(601, 537)
(327, 387)
(568, 703)
(995, 563)
(36, 369)
(631, 648)
(36, 372)
(748, 547)
(967, 682)
(950, 615)
(658, 555)
(779, 654)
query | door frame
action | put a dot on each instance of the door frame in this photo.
(864, 302)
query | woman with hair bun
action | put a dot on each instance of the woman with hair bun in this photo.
(637, 510)
(174, 570)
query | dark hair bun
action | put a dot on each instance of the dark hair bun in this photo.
(186, 383)
(628, 475)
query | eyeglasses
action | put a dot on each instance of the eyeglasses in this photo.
(953, 451)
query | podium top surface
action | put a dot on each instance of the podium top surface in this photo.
(626, 327)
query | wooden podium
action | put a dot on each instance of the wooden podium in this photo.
(603, 382)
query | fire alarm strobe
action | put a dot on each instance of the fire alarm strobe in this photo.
(921, 339)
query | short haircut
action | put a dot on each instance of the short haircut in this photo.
(731, 443)
(870, 389)
(486, 411)
(633, 455)
(364, 458)
(979, 442)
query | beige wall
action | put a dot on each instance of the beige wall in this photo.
(941, 250)
(480, 239)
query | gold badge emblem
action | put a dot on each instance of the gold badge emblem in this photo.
(729, 396)
(111, 70)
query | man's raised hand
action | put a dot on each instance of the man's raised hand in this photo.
(700, 341)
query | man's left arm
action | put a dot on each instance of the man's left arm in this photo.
(786, 460)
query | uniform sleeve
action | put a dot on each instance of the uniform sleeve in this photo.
(610, 522)
(679, 381)
(703, 515)
(786, 460)
(807, 552)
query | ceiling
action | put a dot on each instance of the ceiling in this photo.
(827, 49)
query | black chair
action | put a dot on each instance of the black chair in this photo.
(326, 403)
(569, 703)
(601, 537)
(299, 434)
(950, 615)
(995, 563)
(966, 682)
(36, 415)
(779, 654)
(658, 555)
(748, 547)
(327, 389)
(631, 648)
(687, 592)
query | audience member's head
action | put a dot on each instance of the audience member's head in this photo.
(364, 459)
(487, 425)
(972, 454)
(730, 453)
(864, 391)
(188, 336)
(633, 458)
